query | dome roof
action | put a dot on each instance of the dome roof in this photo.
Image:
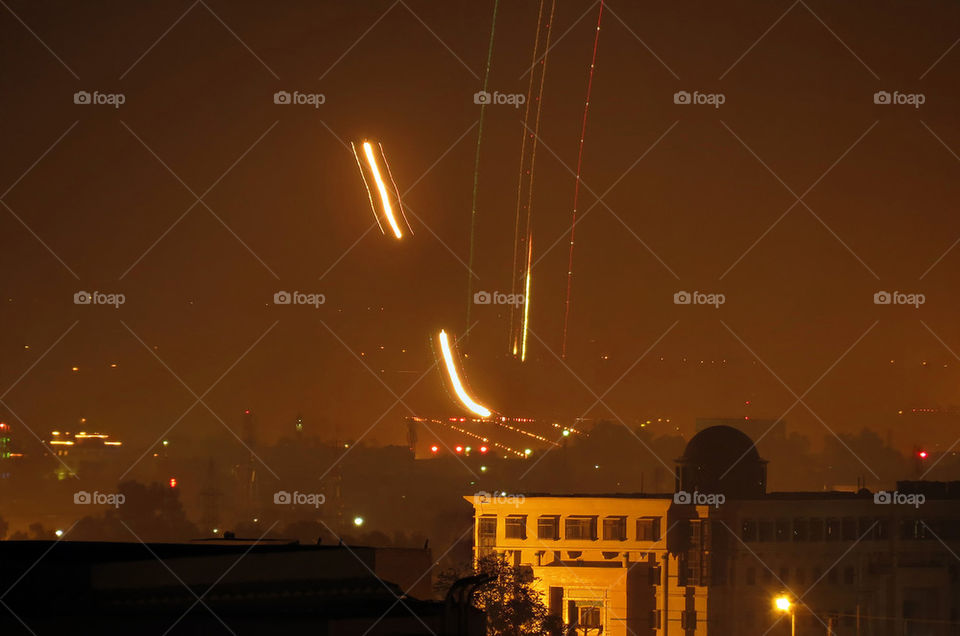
(722, 459)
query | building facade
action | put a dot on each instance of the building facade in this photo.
(712, 557)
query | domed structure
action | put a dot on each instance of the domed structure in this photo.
(722, 459)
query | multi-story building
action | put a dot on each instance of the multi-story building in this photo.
(712, 557)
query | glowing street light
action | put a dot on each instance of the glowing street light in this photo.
(784, 604)
(358, 521)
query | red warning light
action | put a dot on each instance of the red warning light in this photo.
(173, 482)
(434, 449)
(922, 454)
(483, 449)
(246, 412)
(459, 449)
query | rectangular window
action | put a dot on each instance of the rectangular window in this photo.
(765, 530)
(589, 616)
(615, 529)
(487, 530)
(848, 529)
(800, 529)
(832, 529)
(580, 528)
(548, 527)
(783, 530)
(748, 530)
(648, 529)
(515, 527)
(816, 529)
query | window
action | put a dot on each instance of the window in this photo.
(487, 530)
(748, 530)
(751, 576)
(582, 528)
(615, 529)
(800, 529)
(766, 530)
(783, 530)
(588, 615)
(848, 529)
(816, 529)
(832, 529)
(548, 527)
(648, 529)
(515, 527)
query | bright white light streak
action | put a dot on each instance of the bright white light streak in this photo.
(467, 401)
(382, 189)
(526, 302)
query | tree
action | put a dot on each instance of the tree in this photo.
(513, 606)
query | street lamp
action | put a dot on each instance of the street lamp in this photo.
(783, 604)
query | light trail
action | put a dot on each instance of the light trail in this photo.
(526, 300)
(576, 187)
(465, 399)
(387, 211)
(476, 165)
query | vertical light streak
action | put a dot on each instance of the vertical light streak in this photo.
(526, 300)
(382, 189)
(467, 401)
(576, 187)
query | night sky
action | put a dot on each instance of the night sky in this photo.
(798, 199)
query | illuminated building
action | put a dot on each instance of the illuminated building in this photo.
(655, 565)
(81, 451)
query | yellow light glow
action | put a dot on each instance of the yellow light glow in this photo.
(526, 302)
(472, 406)
(782, 603)
(382, 189)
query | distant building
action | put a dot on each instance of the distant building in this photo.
(262, 587)
(712, 557)
(83, 451)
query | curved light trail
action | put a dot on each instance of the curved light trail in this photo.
(462, 395)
